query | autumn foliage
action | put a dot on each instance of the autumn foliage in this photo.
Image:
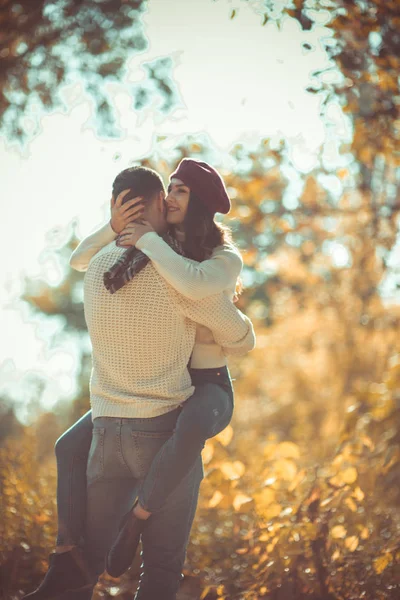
(301, 492)
(289, 504)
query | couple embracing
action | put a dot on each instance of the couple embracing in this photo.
(158, 300)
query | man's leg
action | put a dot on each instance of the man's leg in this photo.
(111, 490)
(166, 537)
(141, 439)
(108, 501)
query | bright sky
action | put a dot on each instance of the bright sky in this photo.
(237, 80)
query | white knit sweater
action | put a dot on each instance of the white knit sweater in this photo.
(195, 280)
(142, 338)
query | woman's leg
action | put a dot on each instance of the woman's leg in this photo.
(67, 566)
(72, 450)
(203, 415)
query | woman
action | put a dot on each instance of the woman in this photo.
(190, 214)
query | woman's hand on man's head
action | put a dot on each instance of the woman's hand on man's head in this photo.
(133, 232)
(123, 214)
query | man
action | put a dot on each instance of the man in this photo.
(142, 338)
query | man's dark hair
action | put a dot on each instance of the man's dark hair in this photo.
(142, 181)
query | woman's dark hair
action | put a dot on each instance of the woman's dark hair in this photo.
(202, 233)
(141, 180)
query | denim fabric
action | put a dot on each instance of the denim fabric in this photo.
(207, 412)
(72, 450)
(120, 456)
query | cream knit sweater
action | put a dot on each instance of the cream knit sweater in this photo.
(142, 338)
(192, 279)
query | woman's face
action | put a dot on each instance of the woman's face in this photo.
(177, 201)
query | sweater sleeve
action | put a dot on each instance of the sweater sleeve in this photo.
(195, 280)
(232, 330)
(88, 247)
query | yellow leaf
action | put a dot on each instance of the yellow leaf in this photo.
(225, 436)
(272, 545)
(270, 450)
(298, 479)
(336, 481)
(336, 555)
(338, 532)
(349, 475)
(42, 518)
(351, 504)
(288, 450)
(344, 477)
(272, 511)
(358, 494)
(382, 562)
(265, 497)
(208, 452)
(365, 155)
(233, 470)
(216, 499)
(339, 458)
(241, 499)
(263, 558)
(205, 592)
(364, 535)
(220, 590)
(351, 543)
(285, 469)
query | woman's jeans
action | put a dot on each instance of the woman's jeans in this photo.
(157, 468)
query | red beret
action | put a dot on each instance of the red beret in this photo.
(205, 182)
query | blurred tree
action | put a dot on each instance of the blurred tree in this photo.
(65, 302)
(47, 43)
(366, 50)
(9, 424)
(315, 253)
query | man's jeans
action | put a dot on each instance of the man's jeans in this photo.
(121, 453)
